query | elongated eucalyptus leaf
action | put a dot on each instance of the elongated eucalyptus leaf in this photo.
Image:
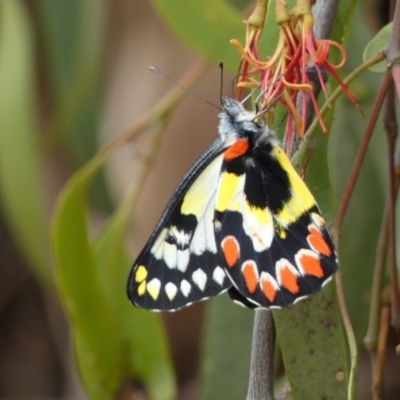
(314, 347)
(115, 345)
(20, 177)
(226, 350)
(73, 39)
(141, 332)
(93, 320)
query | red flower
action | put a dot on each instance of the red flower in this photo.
(283, 76)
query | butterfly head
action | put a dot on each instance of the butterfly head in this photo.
(236, 120)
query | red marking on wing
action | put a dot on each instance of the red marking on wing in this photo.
(236, 150)
(250, 274)
(317, 242)
(311, 265)
(289, 279)
(268, 289)
(231, 250)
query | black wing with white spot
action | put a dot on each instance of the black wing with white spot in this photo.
(180, 263)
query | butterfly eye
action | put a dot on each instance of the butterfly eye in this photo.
(257, 122)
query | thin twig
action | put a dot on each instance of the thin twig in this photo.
(360, 155)
(377, 387)
(371, 338)
(390, 125)
(393, 49)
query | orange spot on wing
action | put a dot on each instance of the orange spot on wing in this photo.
(311, 265)
(268, 289)
(236, 150)
(250, 274)
(231, 250)
(318, 242)
(289, 280)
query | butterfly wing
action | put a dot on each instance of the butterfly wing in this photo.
(271, 234)
(180, 263)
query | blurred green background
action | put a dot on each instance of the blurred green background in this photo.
(73, 76)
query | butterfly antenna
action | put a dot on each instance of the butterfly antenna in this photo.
(251, 94)
(268, 87)
(154, 69)
(221, 67)
(269, 107)
(281, 122)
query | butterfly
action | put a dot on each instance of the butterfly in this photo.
(241, 221)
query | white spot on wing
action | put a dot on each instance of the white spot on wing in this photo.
(170, 290)
(199, 278)
(183, 259)
(185, 288)
(219, 275)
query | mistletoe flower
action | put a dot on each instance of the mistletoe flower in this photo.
(283, 76)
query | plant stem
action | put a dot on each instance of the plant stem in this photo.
(393, 49)
(390, 125)
(378, 373)
(371, 338)
(261, 381)
(360, 155)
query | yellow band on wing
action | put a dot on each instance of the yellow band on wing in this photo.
(229, 188)
(301, 198)
(199, 194)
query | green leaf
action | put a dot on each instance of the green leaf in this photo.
(153, 366)
(206, 26)
(73, 34)
(226, 350)
(377, 45)
(94, 321)
(313, 347)
(20, 174)
(115, 343)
